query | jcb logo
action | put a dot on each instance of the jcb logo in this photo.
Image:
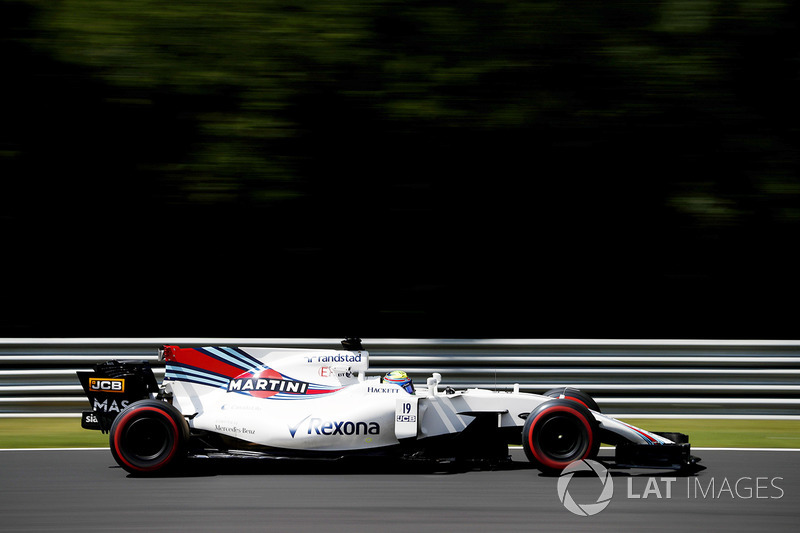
(107, 385)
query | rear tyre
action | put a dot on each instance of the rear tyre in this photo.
(559, 432)
(149, 437)
(576, 395)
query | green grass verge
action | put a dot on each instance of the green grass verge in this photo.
(48, 433)
(67, 432)
(715, 433)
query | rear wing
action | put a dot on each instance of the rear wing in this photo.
(111, 387)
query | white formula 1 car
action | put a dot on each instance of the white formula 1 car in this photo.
(244, 402)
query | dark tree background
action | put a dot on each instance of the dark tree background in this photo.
(269, 168)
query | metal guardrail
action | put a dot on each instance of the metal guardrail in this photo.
(631, 377)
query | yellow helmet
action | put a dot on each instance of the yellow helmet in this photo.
(399, 377)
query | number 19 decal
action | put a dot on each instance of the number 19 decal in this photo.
(405, 418)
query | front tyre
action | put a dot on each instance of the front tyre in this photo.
(149, 437)
(576, 395)
(559, 432)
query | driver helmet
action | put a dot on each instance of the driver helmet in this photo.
(399, 377)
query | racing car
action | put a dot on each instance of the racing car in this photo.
(222, 401)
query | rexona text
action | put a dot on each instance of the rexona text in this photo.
(319, 426)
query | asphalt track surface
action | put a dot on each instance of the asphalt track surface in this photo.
(84, 490)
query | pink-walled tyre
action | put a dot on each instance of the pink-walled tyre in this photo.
(559, 432)
(149, 437)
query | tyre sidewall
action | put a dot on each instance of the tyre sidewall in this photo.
(532, 434)
(576, 395)
(163, 415)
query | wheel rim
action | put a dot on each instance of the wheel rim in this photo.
(147, 439)
(562, 437)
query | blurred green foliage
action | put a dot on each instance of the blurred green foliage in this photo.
(646, 152)
(721, 67)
